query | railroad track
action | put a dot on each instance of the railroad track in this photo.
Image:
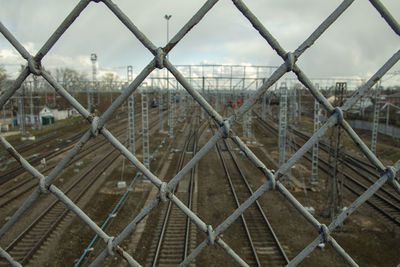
(58, 140)
(23, 147)
(29, 241)
(174, 231)
(358, 177)
(265, 248)
(27, 185)
(35, 159)
(389, 208)
(367, 171)
(44, 139)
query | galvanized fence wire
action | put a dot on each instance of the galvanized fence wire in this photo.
(160, 61)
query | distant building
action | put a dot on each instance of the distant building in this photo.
(394, 99)
(46, 116)
(63, 114)
(363, 105)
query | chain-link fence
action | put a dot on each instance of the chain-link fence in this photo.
(160, 61)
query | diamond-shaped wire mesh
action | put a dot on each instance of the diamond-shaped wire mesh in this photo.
(45, 183)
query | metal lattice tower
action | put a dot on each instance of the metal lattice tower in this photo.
(299, 106)
(334, 196)
(181, 106)
(269, 108)
(223, 101)
(249, 121)
(184, 104)
(376, 118)
(340, 92)
(35, 89)
(293, 103)
(93, 58)
(160, 108)
(203, 95)
(21, 110)
(217, 101)
(88, 95)
(244, 125)
(174, 96)
(314, 162)
(145, 130)
(31, 116)
(171, 112)
(282, 124)
(131, 114)
(264, 107)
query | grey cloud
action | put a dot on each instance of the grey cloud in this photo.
(357, 44)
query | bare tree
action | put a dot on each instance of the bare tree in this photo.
(65, 75)
(109, 79)
(3, 75)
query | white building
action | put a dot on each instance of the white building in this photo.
(46, 116)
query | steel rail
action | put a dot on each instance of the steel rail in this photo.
(191, 189)
(20, 169)
(344, 158)
(104, 163)
(244, 222)
(66, 145)
(259, 208)
(169, 207)
(281, 250)
(193, 138)
(386, 202)
(11, 173)
(26, 146)
(362, 187)
(81, 155)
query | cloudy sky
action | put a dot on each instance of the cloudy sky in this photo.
(355, 46)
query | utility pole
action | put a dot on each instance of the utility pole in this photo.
(169, 95)
(167, 17)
